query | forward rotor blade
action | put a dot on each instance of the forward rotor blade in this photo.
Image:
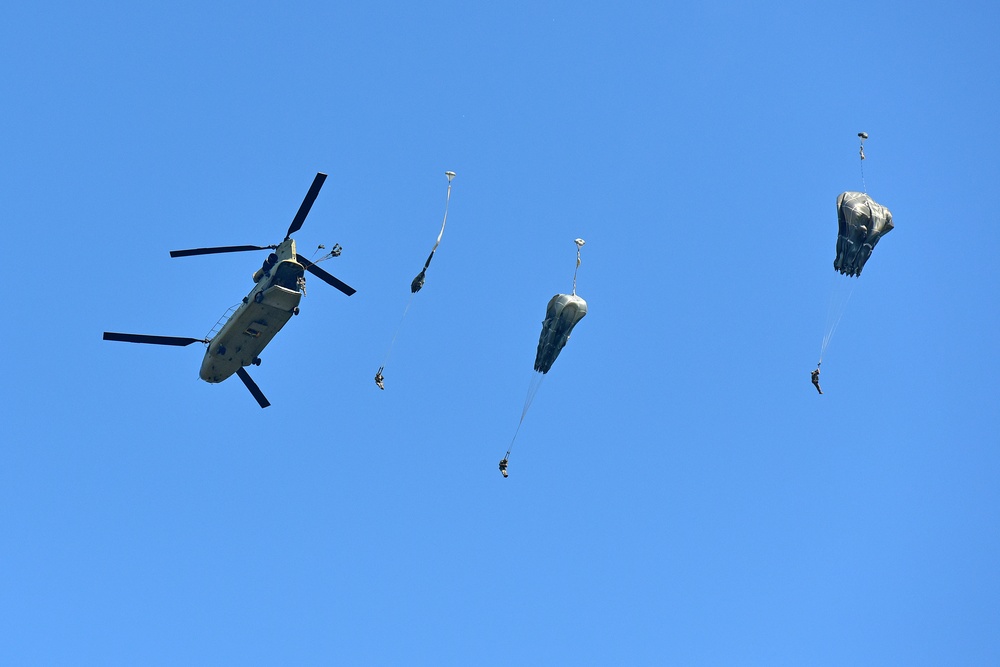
(307, 203)
(151, 340)
(221, 249)
(324, 276)
(252, 386)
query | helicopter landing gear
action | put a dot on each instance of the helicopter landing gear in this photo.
(256, 361)
(258, 297)
(295, 310)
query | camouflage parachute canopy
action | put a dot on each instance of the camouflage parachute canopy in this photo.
(861, 224)
(561, 315)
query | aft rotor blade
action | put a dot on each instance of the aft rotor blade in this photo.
(324, 276)
(307, 203)
(151, 340)
(252, 386)
(221, 249)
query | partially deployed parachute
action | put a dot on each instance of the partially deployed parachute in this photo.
(861, 223)
(416, 284)
(561, 315)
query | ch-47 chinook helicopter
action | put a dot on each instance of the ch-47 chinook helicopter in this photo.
(280, 283)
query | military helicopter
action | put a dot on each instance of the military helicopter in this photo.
(279, 285)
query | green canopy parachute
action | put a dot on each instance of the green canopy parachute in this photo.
(861, 223)
(561, 315)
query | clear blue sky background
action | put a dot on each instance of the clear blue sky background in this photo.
(679, 493)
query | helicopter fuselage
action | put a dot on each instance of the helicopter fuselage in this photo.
(245, 330)
(264, 311)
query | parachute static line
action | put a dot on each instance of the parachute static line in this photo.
(334, 252)
(415, 286)
(861, 151)
(579, 244)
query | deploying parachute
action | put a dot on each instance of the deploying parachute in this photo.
(861, 223)
(416, 284)
(563, 313)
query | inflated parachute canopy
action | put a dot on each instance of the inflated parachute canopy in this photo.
(561, 315)
(861, 224)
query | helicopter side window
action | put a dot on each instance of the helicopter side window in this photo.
(271, 260)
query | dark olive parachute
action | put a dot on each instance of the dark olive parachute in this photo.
(561, 315)
(861, 223)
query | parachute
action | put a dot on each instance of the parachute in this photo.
(861, 223)
(416, 284)
(561, 315)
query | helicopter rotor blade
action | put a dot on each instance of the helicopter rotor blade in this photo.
(220, 249)
(307, 203)
(324, 276)
(151, 340)
(252, 386)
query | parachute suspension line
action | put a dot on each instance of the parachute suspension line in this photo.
(579, 244)
(533, 386)
(840, 296)
(861, 151)
(385, 359)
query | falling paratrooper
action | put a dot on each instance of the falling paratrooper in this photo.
(416, 284)
(563, 312)
(861, 223)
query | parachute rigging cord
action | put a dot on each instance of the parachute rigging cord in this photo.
(861, 151)
(533, 386)
(840, 296)
(415, 286)
(385, 359)
(335, 252)
(579, 244)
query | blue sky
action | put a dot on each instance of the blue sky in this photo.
(679, 493)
